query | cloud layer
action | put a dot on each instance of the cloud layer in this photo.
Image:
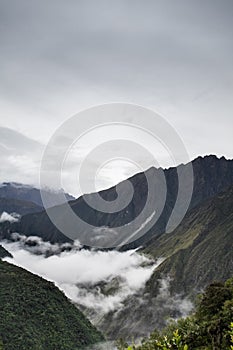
(98, 280)
(13, 217)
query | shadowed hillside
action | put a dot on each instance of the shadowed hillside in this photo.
(36, 315)
(211, 176)
(198, 252)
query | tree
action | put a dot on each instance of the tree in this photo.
(209, 328)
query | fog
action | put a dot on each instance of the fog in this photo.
(108, 286)
(101, 280)
(13, 217)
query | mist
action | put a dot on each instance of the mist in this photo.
(13, 217)
(97, 280)
(108, 286)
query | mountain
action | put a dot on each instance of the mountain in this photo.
(35, 314)
(198, 252)
(200, 249)
(11, 205)
(211, 176)
(195, 253)
(17, 191)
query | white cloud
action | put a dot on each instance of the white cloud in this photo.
(173, 302)
(20, 157)
(13, 217)
(67, 58)
(81, 273)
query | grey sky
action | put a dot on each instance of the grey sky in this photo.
(58, 57)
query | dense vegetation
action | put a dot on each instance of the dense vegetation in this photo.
(198, 250)
(36, 315)
(210, 327)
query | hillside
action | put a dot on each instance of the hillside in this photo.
(209, 327)
(36, 315)
(211, 176)
(11, 205)
(200, 250)
(197, 253)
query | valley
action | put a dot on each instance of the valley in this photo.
(147, 281)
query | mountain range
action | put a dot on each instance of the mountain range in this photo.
(31, 194)
(194, 254)
(211, 176)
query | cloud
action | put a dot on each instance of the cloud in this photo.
(108, 286)
(177, 302)
(108, 345)
(144, 311)
(20, 157)
(172, 56)
(35, 245)
(13, 217)
(97, 280)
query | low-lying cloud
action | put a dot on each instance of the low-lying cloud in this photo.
(13, 217)
(96, 280)
(178, 303)
(108, 286)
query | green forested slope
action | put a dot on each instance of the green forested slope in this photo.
(200, 250)
(210, 326)
(197, 253)
(36, 315)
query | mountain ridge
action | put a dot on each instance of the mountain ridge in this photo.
(30, 193)
(211, 176)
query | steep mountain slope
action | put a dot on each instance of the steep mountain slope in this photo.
(211, 176)
(18, 206)
(34, 314)
(14, 190)
(198, 252)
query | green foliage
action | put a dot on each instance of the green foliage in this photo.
(36, 315)
(198, 251)
(121, 344)
(210, 327)
(231, 335)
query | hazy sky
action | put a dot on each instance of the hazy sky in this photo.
(59, 57)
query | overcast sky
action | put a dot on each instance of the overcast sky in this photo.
(59, 57)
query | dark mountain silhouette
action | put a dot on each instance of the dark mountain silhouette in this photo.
(18, 206)
(211, 176)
